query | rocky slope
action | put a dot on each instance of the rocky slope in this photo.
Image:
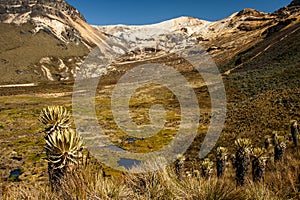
(223, 39)
(262, 87)
(53, 16)
(43, 40)
(47, 40)
(262, 84)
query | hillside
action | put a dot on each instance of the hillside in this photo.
(263, 84)
(258, 55)
(66, 38)
(43, 40)
(222, 39)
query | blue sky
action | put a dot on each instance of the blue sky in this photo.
(103, 12)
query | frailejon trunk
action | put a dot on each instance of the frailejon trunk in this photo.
(242, 166)
(221, 166)
(294, 132)
(258, 169)
(279, 150)
(179, 169)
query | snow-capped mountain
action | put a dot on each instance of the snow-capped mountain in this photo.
(187, 25)
(51, 39)
(221, 38)
(54, 16)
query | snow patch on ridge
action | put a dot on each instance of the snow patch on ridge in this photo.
(191, 24)
(55, 26)
(17, 18)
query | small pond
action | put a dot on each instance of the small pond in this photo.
(129, 163)
(14, 175)
(130, 139)
(115, 148)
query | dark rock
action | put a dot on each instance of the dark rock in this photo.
(294, 3)
(19, 72)
(213, 48)
(276, 28)
(293, 9)
(250, 12)
(202, 39)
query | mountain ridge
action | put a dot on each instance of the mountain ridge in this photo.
(39, 31)
(223, 39)
(68, 36)
(57, 17)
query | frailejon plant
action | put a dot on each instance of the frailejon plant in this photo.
(232, 160)
(267, 142)
(258, 164)
(274, 138)
(55, 118)
(179, 164)
(64, 152)
(63, 144)
(207, 168)
(221, 159)
(279, 148)
(242, 159)
(294, 132)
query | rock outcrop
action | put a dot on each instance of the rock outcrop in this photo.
(53, 16)
(33, 8)
(223, 39)
(294, 3)
(43, 29)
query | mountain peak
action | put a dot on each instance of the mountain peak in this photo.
(55, 17)
(250, 12)
(294, 3)
(20, 11)
(293, 9)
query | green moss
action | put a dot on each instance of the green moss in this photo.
(33, 158)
